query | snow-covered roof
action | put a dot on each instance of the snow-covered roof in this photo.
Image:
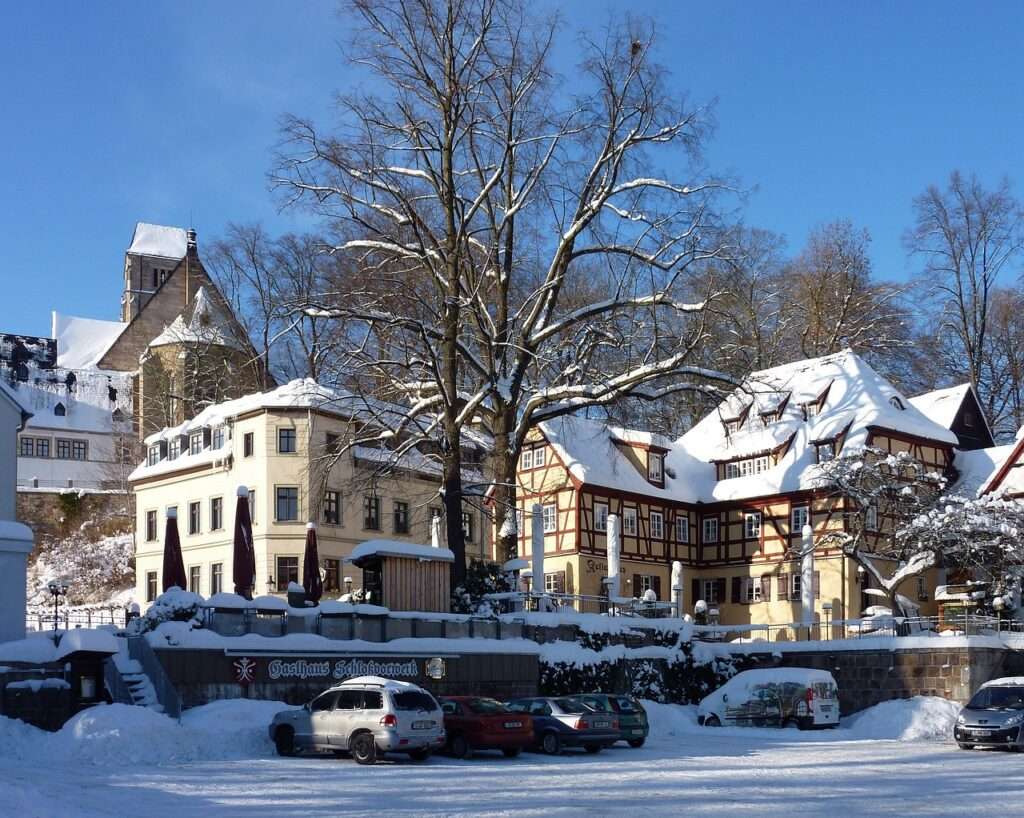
(380, 681)
(394, 548)
(79, 639)
(158, 240)
(82, 342)
(977, 467)
(207, 323)
(87, 407)
(15, 398)
(942, 405)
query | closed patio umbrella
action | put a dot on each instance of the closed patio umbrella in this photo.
(311, 580)
(243, 558)
(174, 564)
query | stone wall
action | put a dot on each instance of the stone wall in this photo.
(58, 513)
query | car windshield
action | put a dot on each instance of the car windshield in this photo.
(572, 707)
(998, 698)
(626, 705)
(487, 706)
(413, 700)
(595, 704)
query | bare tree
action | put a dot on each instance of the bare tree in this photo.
(523, 259)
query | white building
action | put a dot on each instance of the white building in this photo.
(15, 538)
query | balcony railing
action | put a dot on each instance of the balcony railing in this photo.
(515, 601)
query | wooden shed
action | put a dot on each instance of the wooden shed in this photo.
(405, 576)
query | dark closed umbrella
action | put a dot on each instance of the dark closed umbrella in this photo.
(311, 580)
(243, 558)
(174, 564)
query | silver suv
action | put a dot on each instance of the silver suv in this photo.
(363, 717)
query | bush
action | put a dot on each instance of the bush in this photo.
(174, 605)
(481, 578)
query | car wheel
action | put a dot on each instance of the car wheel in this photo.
(421, 754)
(551, 744)
(593, 748)
(459, 747)
(963, 746)
(364, 749)
(636, 742)
(284, 741)
(511, 752)
(791, 724)
(712, 721)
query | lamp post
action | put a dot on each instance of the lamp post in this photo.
(826, 607)
(57, 589)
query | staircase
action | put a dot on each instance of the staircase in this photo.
(128, 682)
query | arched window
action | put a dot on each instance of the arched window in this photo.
(59, 410)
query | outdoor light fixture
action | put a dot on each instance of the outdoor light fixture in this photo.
(861, 575)
(57, 589)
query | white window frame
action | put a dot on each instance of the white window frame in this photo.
(752, 590)
(794, 585)
(657, 520)
(797, 528)
(732, 470)
(526, 460)
(683, 528)
(600, 516)
(761, 464)
(550, 518)
(752, 525)
(713, 523)
(629, 523)
(826, 451)
(709, 591)
(746, 468)
(538, 457)
(655, 467)
(811, 410)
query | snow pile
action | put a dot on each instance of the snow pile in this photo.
(922, 718)
(94, 640)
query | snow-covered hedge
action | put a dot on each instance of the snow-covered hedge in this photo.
(173, 605)
(481, 578)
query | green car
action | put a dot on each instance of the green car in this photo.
(633, 727)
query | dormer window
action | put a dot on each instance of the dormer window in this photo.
(154, 455)
(60, 410)
(811, 410)
(655, 467)
(826, 451)
(174, 448)
(195, 442)
(896, 402)
(733, 426)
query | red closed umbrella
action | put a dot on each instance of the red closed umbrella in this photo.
(243, 558)
(311, 579)
(174, 563)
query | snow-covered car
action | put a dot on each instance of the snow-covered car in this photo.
(993, 717)
(363, 717)
(775, 697)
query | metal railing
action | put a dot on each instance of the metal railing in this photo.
(519, 601)
(41, 618)
(141, 652)
(116, 685)
(866, 628)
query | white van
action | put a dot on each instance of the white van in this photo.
(774, 697)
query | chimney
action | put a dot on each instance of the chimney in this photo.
(191, 238)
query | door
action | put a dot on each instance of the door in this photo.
(345, 715)
(321, 711)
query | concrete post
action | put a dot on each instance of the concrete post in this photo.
(537, 548)
(807, 576)
(614, 537)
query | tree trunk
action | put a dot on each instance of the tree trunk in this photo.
(503, 465)
(453, 513)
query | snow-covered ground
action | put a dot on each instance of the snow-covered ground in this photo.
(121, 761)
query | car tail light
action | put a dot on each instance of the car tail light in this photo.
(810, 696)
(390, 720)
(581, 724)
(615, 724)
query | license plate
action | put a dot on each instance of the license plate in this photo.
(638, 732)
(826, 708)
(600, 724)
(983, 733)
(422, 725)
(512, 725)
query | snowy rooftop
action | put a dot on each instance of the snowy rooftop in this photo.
(977, 468)
(82, 342)
(394, 548)
(941, 405)
(88, 407)
(208, 323)
(158, 240)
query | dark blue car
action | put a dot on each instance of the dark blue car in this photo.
(563, 721)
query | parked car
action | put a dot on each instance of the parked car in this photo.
(363, 717)
(565, 721)
(475, 723)
(633, 726)
(776, 697)
(993, 717)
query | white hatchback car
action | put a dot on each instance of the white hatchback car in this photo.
(774, 697)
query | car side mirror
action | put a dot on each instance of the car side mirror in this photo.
(307, 707)
(725, 697)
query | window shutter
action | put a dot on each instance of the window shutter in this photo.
(737, 589)
(817, 584)
(720, 584)
(636, 586)
(657, 586)
(560, 582)
(695, 590)
(783, 586)
(766, 588)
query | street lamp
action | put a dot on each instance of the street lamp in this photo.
(826, 607)
(57, 589)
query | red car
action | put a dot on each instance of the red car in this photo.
(474, 723)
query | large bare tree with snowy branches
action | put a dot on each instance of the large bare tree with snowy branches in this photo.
(523, 256)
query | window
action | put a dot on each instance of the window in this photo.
(154, 455)
(174, 448)
(968, 417)
(871, 517)
(896, 402)
(193, 518)
(195, 442)
(811, 410)
(217, 438)
(63, 449)
(252, 506)
(600, 516)
(401, 518)
(922, 589)
(194, 578)
(216, 578)
(538, 457)
(150, 586)
(794, 585)
(710, 529)
(526, 460)
(151, 525)
(629, 521)
(657, 525)
(732, 426)
(216, 514)
(798, 519)
(247, 444)
(332, 443)
(655, 467)
(709, 590)
(732, 470)
(28, 448)
(761, 464)
(286, 441)
(332, 575)
(287, 571)
(332, 508)
(550, 518)
(467, 525)
(682, 528)
(752, 525)
(42, 447)
(286, 508)
(79, 450)
(371, 512)
(648, 582)
(826, 451)
(554, 583)
(753, 590)
(59, 410)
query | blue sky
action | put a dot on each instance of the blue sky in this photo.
(116, 112)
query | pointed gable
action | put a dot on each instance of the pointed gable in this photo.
(959, 410)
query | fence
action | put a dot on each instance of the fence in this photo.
(516, 601)
(870, 628)
(42, 619)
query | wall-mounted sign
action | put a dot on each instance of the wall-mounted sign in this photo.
(341, 668)
(434, 668)
(245, 670)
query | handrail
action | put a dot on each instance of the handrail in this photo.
(514, 601)
(116, 685)
(140, 650)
